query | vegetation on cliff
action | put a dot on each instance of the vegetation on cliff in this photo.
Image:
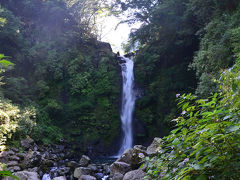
(69, 79)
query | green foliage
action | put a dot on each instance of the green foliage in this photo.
(215, 51)
(71, 78)
(205, 143)
(15, 122)
(8, 174)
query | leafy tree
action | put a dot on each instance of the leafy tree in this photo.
(205, 143)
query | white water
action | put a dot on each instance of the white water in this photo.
(128, 103)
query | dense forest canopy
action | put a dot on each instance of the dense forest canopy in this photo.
(60, 82)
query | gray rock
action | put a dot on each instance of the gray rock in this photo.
(10, 153)
(87, 177)
(12, 163)
(81, 171)
(99, 175)
(14, 168)
(126, 157)
(14, 158)
(84, 161)
(25, 175)
(27, 143)
(93, 167)
(60, 178)
(106, 169)
(73, 164)
(21, 155)
(138, 154)
(15, 150)
(120, 167)
(32, 159)
(134, 175)
(154, 147)
(63, 170)
(117, 176)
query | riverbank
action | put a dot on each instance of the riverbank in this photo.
(56, 162)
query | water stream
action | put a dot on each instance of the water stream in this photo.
(128, 103)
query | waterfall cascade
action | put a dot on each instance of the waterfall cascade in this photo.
(128, 103)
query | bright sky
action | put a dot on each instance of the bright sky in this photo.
(116, 37)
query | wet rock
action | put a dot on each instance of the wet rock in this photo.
(134, 175)
(87, 177)
(84, 161)
(60, 178)
(154, 147)
(117, 176)
(120, 167)
(27, 143)
(81, 171)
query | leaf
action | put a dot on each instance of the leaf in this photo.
(202, 177)
(232, 128)
(187, 178)
(175, 130)
(6, 63)
(8, 173)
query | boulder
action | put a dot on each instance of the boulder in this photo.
(117, 176)
(106, 168)
(14, 168)
(21, 155)
(81, 171)
(134, 175)
(120, 167)
(84, 161)
(27, 143)
(133, 156)
(154, 147)
(63, 170)
(60, 178)
(87, 177)
(99, 175)
(32, 159)
(138, 154)
(14, 158)
(12, 163)
(25, 175)
(93, 167)
(73, 164)
(126, 157)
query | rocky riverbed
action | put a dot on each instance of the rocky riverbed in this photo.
(56, 162)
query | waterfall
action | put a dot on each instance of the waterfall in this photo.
(128, 103)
